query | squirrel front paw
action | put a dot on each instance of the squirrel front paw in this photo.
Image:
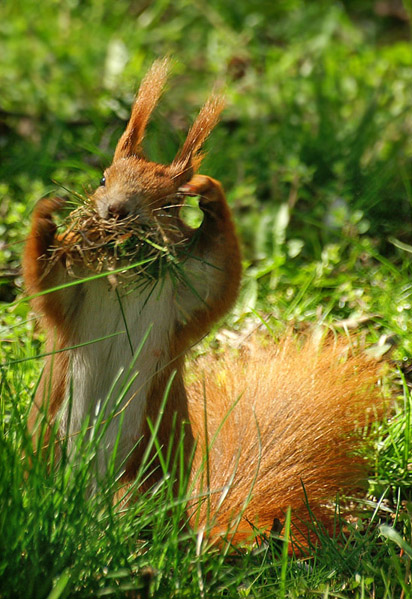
(43, 223)
(46, 207)
(209, 190)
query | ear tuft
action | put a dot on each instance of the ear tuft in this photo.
(190, 155)
(148, 96)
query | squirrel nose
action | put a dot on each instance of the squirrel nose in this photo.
(117, 211)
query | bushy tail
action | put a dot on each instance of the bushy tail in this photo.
(280, 421)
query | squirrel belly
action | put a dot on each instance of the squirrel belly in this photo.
(100, 374)
(276, 416)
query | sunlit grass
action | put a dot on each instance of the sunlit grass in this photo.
(314, 153)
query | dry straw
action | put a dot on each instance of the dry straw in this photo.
(101, 245)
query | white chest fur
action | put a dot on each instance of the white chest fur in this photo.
(112, 374)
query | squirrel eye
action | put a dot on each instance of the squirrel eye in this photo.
(103, 181)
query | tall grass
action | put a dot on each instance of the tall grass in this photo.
(314, 152)
(66, 533)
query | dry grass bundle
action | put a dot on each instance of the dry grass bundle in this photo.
(100, 245)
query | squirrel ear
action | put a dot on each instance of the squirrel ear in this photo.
(149, 93)
(190, 156)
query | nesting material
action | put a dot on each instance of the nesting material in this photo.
(89, 242)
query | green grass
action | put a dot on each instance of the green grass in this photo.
(314, 150)
(60, 540)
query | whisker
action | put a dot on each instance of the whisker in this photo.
(168, 206)
(153, 202)
(192, 195)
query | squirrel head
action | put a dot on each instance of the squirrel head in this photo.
(132, 185)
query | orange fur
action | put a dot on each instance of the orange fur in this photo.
(149, 93)
(296, 409)
(39, 278)
(288, 414)
(203, 125)
(135, 185)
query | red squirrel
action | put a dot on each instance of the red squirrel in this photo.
(286, 415)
